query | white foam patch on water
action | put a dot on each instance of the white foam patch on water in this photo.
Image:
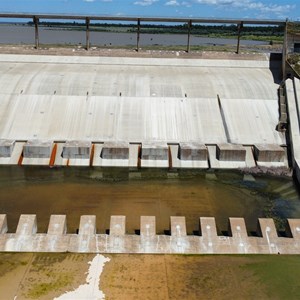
(90, 290)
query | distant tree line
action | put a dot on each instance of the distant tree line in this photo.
(197, 29)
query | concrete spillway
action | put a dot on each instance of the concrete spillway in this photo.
(138, 101)
(132, 112)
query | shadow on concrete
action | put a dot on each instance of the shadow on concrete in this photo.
(276, 67)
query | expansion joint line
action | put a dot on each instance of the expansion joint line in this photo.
(223, 119)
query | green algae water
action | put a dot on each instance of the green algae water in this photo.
(105, 192)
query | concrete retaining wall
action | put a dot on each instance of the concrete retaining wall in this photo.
(26, 238)
(292, 88)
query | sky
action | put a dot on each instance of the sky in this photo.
(254, 9)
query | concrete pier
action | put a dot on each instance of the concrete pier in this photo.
(148, 226)
(6, 148)
(117, 225)
(294, 228)
(37, 149)
(76, 150)
(3, 224)
(154, 151)
(116, 155)
(192, 151)
(57, 225)
(154, 154)
(87, 240)
(231, 152)
(178, 226)
(27, 225)
(115, 150)
(268, 153)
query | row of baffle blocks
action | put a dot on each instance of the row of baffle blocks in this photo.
(118, 153)
(26, 238)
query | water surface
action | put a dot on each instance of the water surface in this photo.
(106, 192)
(23, 34)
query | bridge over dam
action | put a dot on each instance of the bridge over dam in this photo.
(140, 112)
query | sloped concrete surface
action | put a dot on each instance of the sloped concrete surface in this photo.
(138, 100)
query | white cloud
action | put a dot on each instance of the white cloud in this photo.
(250, 4)
(145, 2)
(100, 0)
(178, 3)
(172, 3)
(185, 3)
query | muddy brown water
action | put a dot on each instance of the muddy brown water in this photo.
(106, 192)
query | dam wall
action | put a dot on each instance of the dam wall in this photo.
(145, 112)
(87, 240)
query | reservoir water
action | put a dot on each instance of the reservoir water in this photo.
(106, 192)
(23, 34)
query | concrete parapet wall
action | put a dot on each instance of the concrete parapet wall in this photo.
(26, 238)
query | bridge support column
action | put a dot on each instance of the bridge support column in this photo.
(188, 49)
(138, 35)
(87, 22)
(240, 26)
(36, 26)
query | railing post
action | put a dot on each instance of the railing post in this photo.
(36, 26)
(240, 26)
(189, 36)
(87, 23)
(138, 34)
(284, 50)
